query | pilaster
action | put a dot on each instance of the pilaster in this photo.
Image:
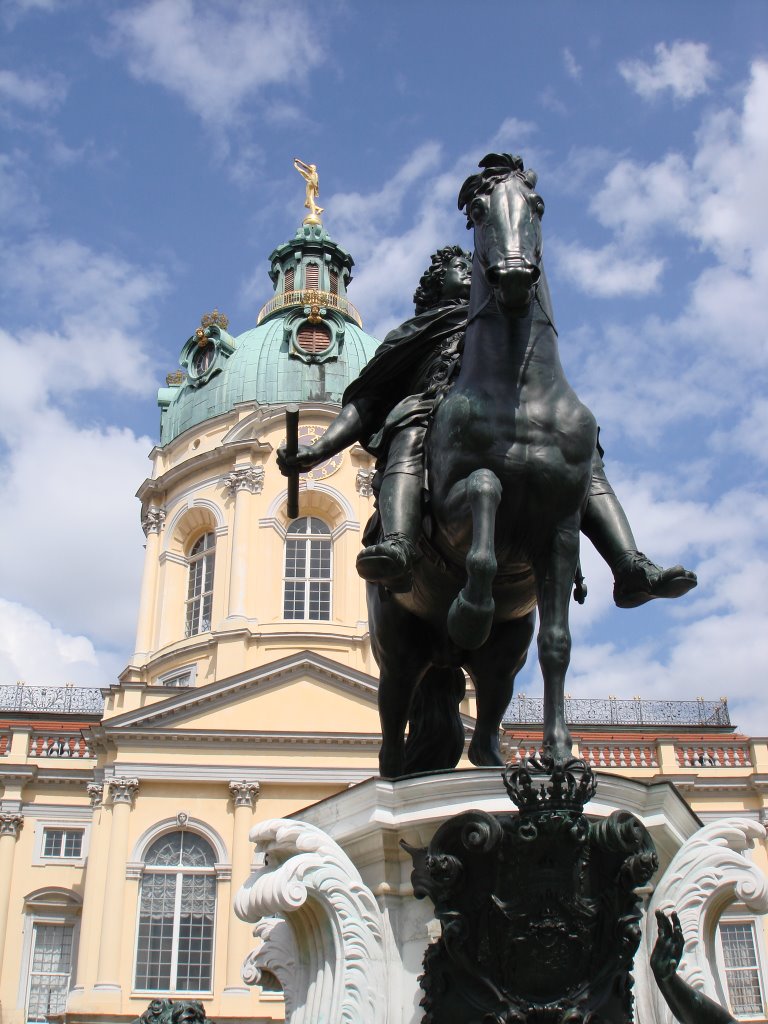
(11, 825)
(244, 796)
(152, 524)
(243, 483)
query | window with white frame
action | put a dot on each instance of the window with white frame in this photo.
(177, 910)
(742, 968)
(62, 842)
(50, 970)
(307, 587)
(202, 559)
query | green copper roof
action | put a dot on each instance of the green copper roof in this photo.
(307, 347)
(263, 369)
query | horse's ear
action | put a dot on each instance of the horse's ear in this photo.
(503, 160)
(468, 189)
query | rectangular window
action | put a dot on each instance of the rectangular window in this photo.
(62, 842)
(182, 679)
(50, 970)
(334, 282)
(289, 274)
(742, 970)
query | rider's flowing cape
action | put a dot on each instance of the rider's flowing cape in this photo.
(393, 372)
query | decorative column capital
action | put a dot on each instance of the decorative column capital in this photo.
(95, 794)
(152, 521)
(245, 478)
(364, 481)
(11, 824)
(244, 793)
(123, 790)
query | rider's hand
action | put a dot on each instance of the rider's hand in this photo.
(306, 458)
(669, 946)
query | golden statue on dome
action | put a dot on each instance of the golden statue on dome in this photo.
(309, 174)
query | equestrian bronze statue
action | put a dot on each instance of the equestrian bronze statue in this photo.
(488, 468)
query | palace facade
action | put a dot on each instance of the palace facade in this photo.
(251, 694)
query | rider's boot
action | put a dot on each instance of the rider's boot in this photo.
(636, 578)
(390, 562)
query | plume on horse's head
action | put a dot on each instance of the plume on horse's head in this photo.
(496, 167)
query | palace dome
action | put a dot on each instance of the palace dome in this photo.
(308, 344)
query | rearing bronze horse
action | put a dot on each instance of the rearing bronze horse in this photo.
(509, 457)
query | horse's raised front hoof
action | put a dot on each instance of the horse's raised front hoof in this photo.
(485, 755)
(469, 625)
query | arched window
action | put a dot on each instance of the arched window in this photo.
(200, 587)
(177, 909)
(307, 592)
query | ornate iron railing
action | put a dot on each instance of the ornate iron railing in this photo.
(610, 711)
(310, 297)
(56, 700)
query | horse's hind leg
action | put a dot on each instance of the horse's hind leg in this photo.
(493, 669)
(470, 617)
(401, 645)
(554, 577)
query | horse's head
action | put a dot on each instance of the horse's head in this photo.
(503, 207)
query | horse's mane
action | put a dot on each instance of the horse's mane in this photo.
(497, 167)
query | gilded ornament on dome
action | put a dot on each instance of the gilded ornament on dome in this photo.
(214, 319)
(310, 176)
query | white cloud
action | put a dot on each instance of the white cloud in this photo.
(607, 272)
(66, 487)
(20, 205)
(33, 92)
(572, 68)
(217, 56)
(684, 68)
(36, 652)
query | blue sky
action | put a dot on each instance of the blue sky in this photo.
(145, 175)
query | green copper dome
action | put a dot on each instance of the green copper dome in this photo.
(307, 347)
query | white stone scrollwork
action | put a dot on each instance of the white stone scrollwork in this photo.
(152, 521)
(707, 873)
(363, 482)
(337, 970)
(276, 953)
(244, 793)
(246, 478)
(123, 790)
(11, 825)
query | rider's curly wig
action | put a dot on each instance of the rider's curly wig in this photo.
(427, 295)
(496, 167)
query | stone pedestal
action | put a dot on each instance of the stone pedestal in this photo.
(333, 902)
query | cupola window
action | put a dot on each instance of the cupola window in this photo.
(203, 358)
(200, 587)
(289, 279)
(313, 338)
(334, 282)
(312, 275)
(307, 593)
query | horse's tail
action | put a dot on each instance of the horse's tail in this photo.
(435, 729)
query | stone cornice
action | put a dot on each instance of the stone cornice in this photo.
(364, 742)
(216, 774)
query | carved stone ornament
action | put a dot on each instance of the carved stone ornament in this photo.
(327, 945)
(11, 824)
(364, 481)
(123, 790)
(95, 794)
(540, 918)
(152, 521)
(709, 871)
(174, 1011)
(246, 478)
(244, 793)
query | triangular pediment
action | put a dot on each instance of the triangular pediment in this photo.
(305, 693)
